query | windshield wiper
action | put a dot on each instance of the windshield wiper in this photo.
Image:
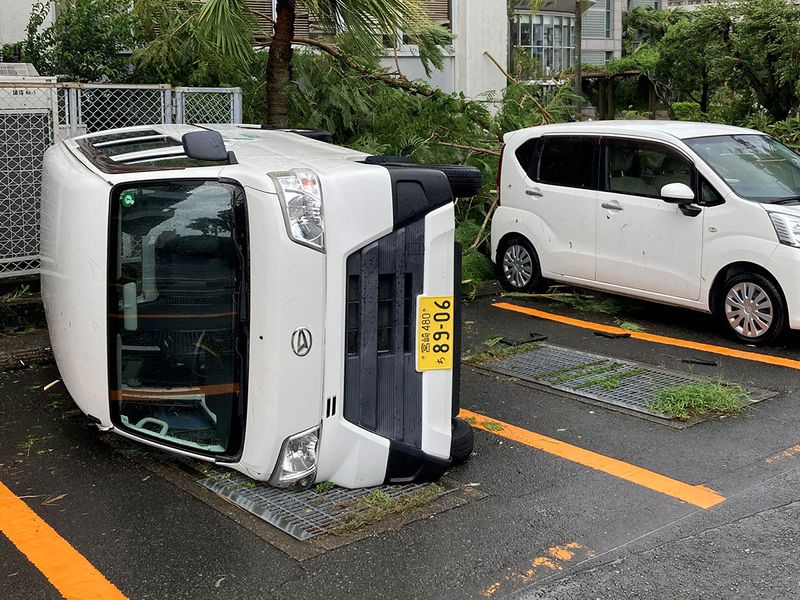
(789, 200)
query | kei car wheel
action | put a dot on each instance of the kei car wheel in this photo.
(518, 266)
(753, 309)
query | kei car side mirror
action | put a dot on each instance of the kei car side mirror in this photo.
(677, 193)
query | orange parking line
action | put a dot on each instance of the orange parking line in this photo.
(650, 337)
(69, 572)
(697, 495)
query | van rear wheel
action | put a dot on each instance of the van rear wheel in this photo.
(518, 266)
(753, 309)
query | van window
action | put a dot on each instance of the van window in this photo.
(642, 169)
(568, 161)
(176, 297)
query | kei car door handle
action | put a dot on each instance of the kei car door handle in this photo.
(535, 193)
(613, 205)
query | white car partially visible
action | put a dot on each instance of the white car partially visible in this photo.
(689, 214)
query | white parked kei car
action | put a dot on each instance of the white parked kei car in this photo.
(689, 214)
(270, 302)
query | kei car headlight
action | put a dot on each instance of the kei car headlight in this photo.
(787, 227)
(297, 463)
(301, 200)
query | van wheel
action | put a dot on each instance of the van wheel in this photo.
(518, 266)
(462, 442)
(753, 309)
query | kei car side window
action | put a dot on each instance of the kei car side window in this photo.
(528, 157)
(708, 195)
(642, 169)
(568, 161)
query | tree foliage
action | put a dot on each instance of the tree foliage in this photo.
(173, 48)
(691, 62)
(761, 39)
(365, 22)
(86, 42)
(643, 26)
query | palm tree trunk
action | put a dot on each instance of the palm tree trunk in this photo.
(279, 65)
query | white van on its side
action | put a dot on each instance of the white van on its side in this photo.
(258, 299)
(689, 214)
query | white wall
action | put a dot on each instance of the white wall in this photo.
(14, 15)
(480, 26)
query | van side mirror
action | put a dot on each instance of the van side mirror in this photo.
(677, 193)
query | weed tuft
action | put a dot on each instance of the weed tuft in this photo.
(697, 399)
(324, 486)
(377, 505)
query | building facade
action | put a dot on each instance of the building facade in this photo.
(546, 37)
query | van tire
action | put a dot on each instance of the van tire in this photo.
(750, 287)
(464, 181)
(517, 249)
(462, 442)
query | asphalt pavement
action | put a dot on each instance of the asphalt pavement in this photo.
(548, 526)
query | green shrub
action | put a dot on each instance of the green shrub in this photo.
(687, 111)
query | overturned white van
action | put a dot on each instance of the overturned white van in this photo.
(270, 302)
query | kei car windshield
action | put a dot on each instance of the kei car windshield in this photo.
(756, 167)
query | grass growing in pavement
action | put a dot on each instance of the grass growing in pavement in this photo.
(497, 350)
(324, 486)
(697, 399)
(610, 382)
(629, 325)
(378, 505)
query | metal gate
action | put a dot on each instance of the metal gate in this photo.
(34, 115)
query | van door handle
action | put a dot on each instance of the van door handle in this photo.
(535, 193)
(614, 205)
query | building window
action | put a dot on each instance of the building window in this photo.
(545, 43)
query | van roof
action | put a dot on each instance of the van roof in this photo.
(657, 129)
(159, 147)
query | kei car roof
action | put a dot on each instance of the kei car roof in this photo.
(681, 130)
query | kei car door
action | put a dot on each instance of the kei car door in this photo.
(561, 191)
(643, 242)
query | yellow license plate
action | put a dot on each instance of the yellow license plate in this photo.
(434, 332)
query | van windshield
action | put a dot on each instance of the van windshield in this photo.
(175, 305)
(756, 167)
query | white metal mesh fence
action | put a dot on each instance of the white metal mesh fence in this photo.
(34, 115)
(26, 131)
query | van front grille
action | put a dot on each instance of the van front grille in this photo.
(383, 390)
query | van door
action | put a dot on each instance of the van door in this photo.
(177, 297)
(561, 191)
(644, 243)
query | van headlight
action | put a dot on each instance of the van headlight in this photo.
(787, 227)
(297, 462)
(301, 200)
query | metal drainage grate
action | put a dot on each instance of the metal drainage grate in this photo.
(613, 381)
(302, 514)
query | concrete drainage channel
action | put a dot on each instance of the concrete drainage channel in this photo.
(619, 384)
